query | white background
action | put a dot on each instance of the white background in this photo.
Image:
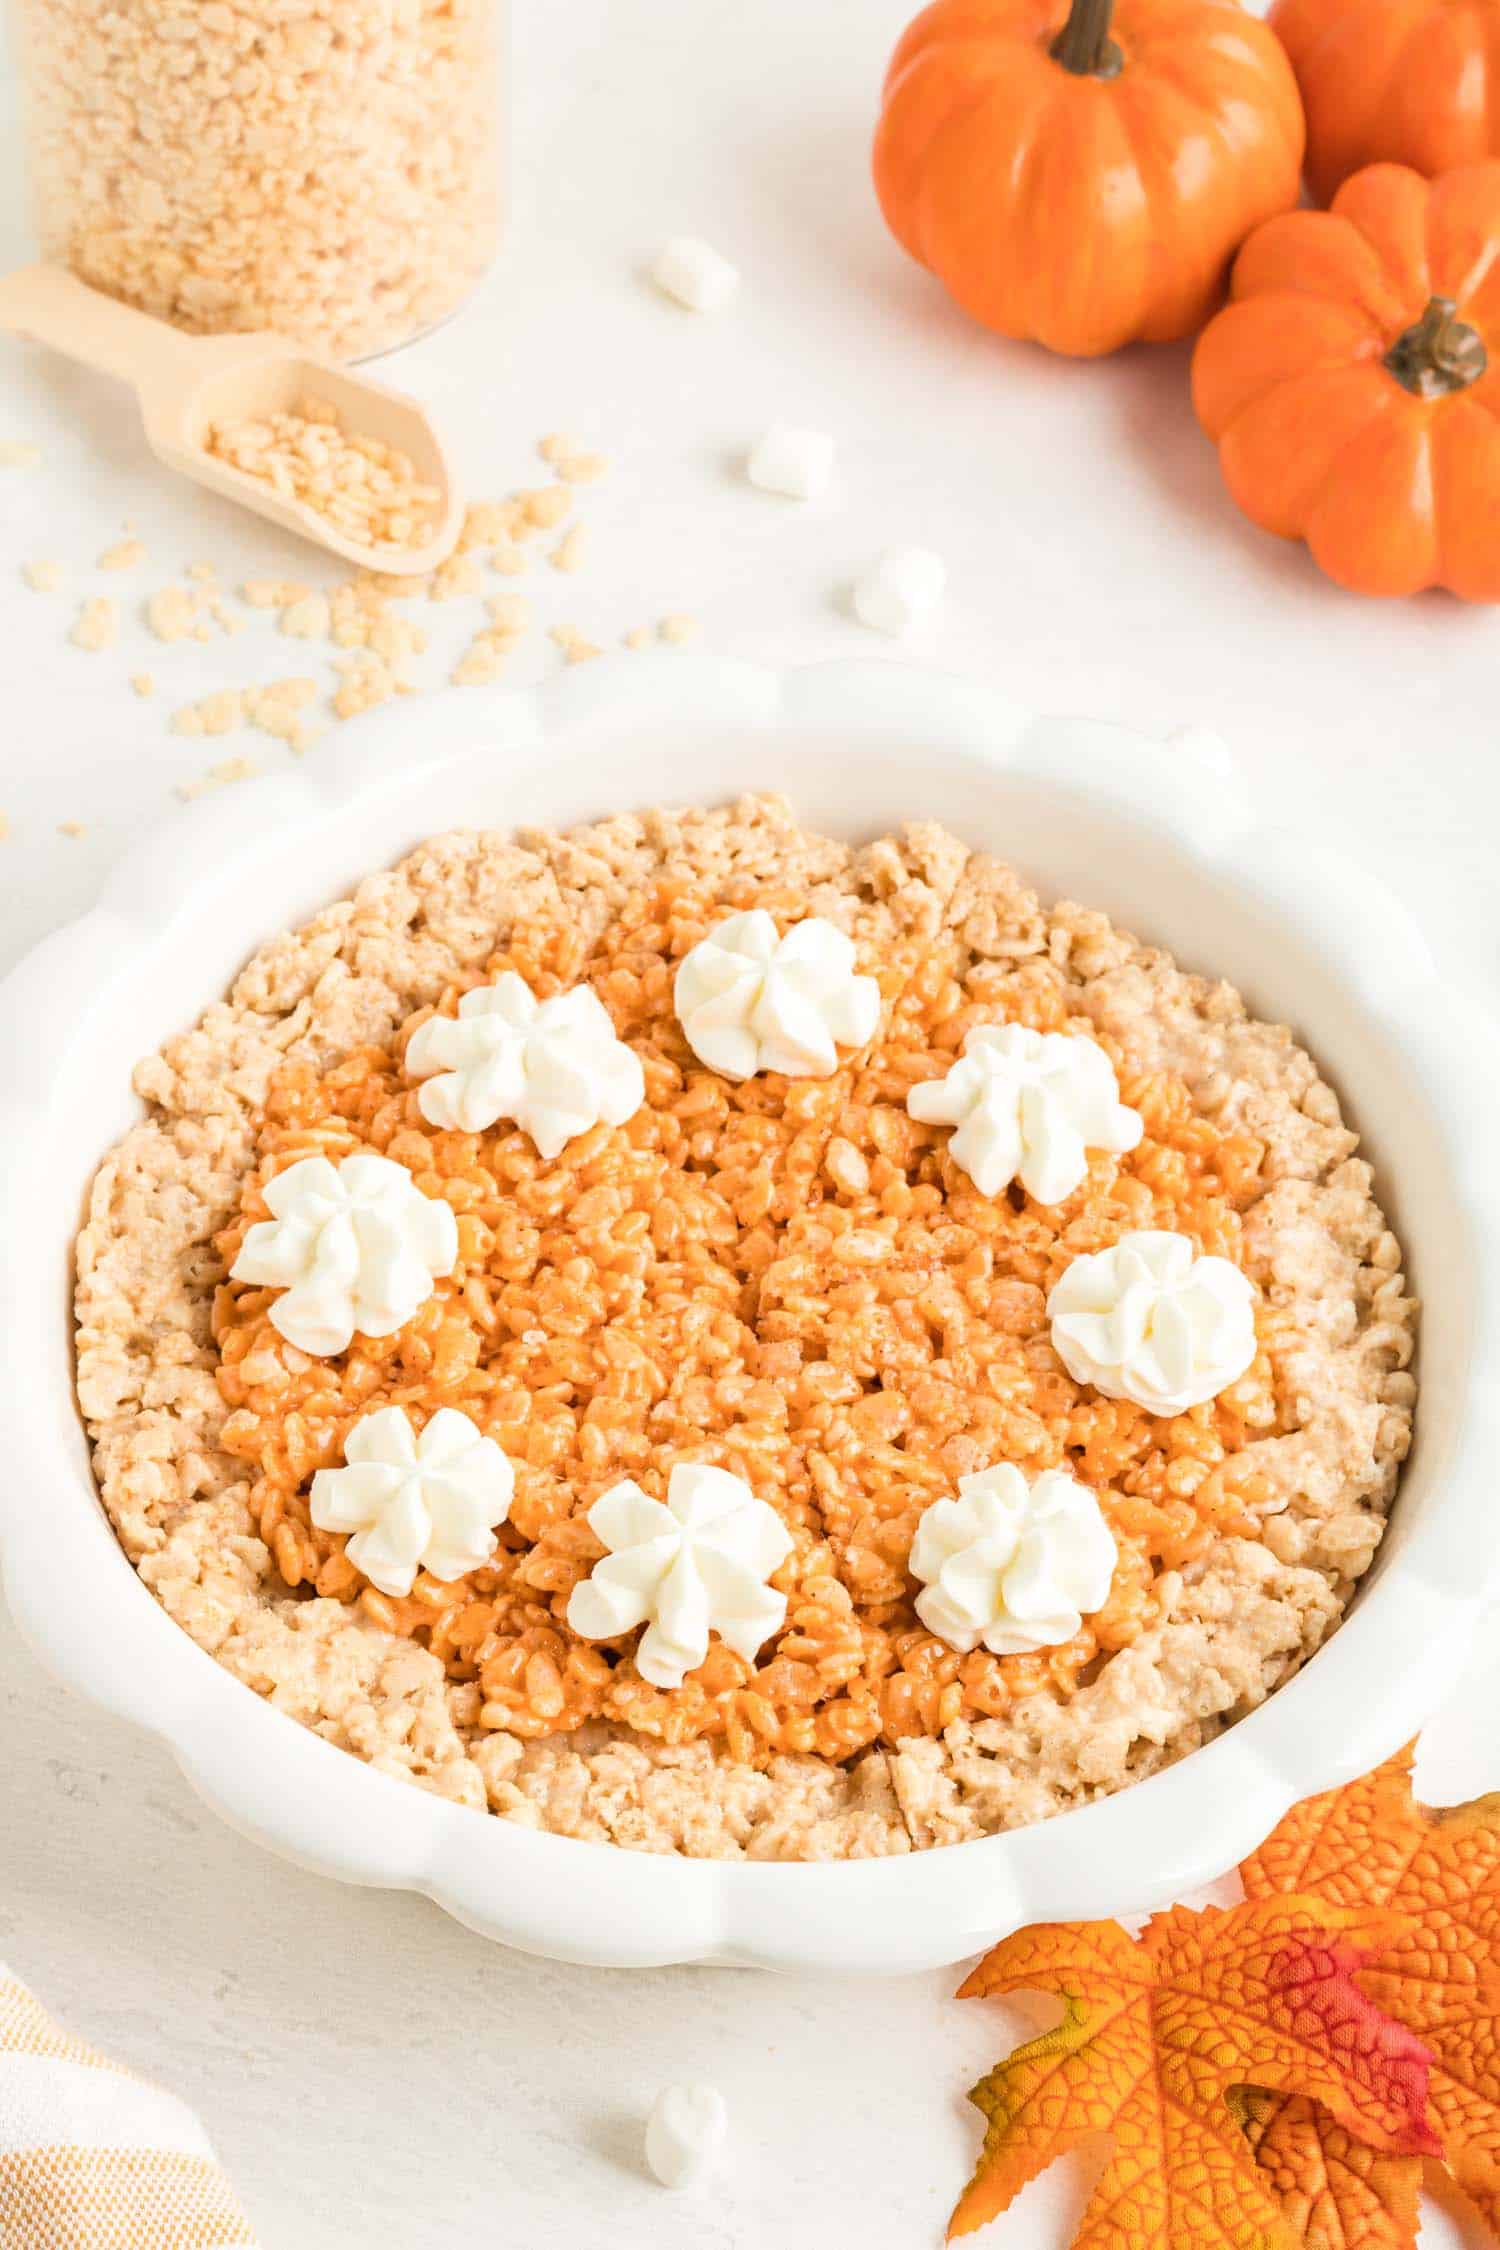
(371, 2073)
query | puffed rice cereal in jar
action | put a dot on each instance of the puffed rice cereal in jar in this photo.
(328, 168)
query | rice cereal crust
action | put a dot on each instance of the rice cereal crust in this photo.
(787, 1278)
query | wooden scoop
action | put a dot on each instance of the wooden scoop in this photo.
(185, 384)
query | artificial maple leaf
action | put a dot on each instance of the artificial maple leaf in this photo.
(1155, 2033)
(1335, 2193)
(1372, 1845)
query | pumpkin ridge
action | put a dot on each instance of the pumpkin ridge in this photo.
(1025, 156)
(1156, 184)
(1409, 289)
(1323, 515)
(1321, 491)
(1036, 201)
(958, 111)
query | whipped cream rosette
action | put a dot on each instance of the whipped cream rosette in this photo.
(750, 1000)
(694, 1564)
(1028, 1106)
(356, 1247)
(553, 1067)
(1152, 1321)
(415, 1503)
(1012, 1564)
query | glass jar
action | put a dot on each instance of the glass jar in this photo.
(328, 168)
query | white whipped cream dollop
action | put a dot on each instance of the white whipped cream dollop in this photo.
(553, 1067)
(355, 1246)
(1012, 1564)
(684, 2133)
(1029, 1105)
(415, 1503)
(694, 1564)
(1150, 1320)
(750, 1000)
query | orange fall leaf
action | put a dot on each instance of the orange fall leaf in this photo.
(1335, 2194)
(1371, 1846)
(1158, 2035)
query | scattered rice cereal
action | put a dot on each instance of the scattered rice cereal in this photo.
(43, 577)
(306, 619)
(546, 508)
(576, 646)
(126, 554)
(97, 625)
(173, 613)
(582, 468)
(218, 777)
(220, 713)
(790, 1279)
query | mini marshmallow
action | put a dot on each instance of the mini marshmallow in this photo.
(695, 274)
(684, 2133)
(797, 463)
(905, 586)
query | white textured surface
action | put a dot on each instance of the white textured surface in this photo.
(1096, 566)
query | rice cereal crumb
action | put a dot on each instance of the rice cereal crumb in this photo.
(124, 555)
(97, 626)
(583, 468)
(220, 713)
(567, 555)
(576, 647)
(546, 507)
(173, 612)
(43, 576)
(306, 619)
(19, 453)
(143, 683)
(217, 777)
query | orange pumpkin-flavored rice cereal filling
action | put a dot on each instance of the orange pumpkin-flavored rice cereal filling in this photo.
(790, 1279)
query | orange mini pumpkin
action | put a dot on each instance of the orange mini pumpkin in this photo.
(1082, 176)
(1401, 81)
(1353, 387)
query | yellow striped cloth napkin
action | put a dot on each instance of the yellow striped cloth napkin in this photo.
(94, 2159)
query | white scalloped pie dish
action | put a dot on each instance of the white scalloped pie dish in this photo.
(1165, 846)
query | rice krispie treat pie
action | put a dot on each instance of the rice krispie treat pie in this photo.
(692, 1335)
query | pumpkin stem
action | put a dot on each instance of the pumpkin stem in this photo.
(1084, 46)
(1439, 353)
